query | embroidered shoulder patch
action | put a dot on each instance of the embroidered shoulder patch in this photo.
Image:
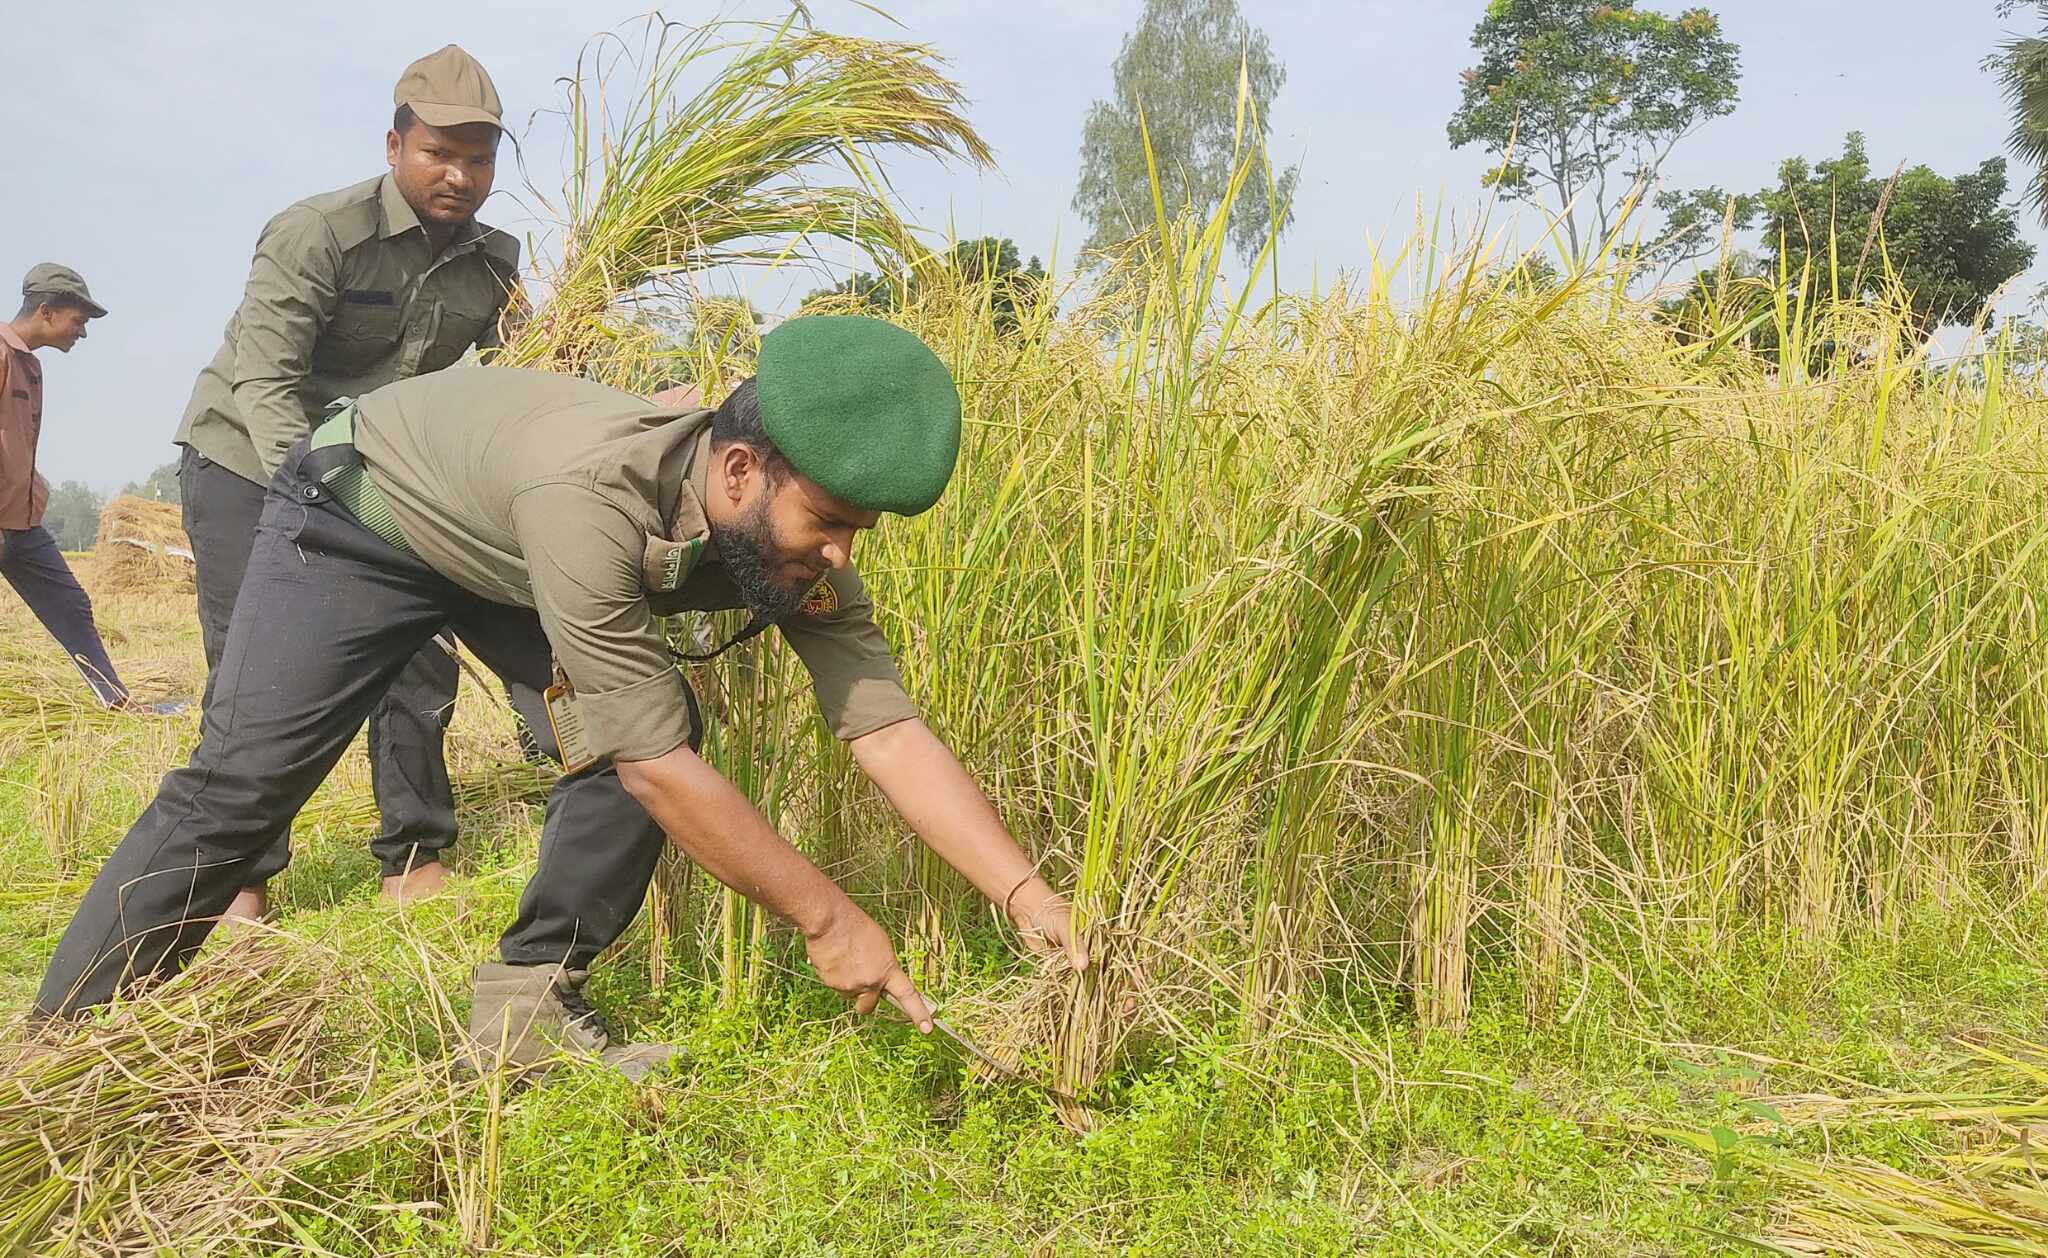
(823, 600)
(667, 564)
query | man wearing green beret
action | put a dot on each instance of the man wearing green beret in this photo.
(549, 521)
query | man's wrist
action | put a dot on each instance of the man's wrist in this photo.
(1028, 900)
(823, 913)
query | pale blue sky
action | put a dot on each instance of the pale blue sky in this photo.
(157, 138)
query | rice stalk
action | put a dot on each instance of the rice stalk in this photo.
(175, 1119)
(669, 176)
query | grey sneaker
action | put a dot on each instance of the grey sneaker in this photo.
(526, 1015)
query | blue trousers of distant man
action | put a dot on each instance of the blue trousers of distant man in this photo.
(35, 567)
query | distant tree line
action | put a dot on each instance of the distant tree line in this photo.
(73, 514)
(1015, 286)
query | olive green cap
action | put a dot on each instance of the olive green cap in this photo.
(861, 407)
(52, 277)
(449, 88)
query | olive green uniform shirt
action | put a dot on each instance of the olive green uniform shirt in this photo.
(586, 504)
(344, 294)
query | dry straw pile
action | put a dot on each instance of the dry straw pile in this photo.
(142, 548)
(173, 1122)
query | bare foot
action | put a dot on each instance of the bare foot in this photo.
(422, 880)
(249, 905)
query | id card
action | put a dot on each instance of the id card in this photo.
(571, 743)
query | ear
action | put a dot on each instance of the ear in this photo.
(392, 142)
(736, 462)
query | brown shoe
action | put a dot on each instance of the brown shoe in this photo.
(524, 1016)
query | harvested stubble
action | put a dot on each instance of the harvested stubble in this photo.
(141, 547)
(175, 1119)
(1986, 1199)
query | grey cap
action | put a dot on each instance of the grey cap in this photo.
(449, 88)
(52, 277)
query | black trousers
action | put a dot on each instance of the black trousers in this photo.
(328, 616)
(35, 567)
(408, 766)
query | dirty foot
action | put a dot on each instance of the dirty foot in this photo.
(249, 905)
(421, 880)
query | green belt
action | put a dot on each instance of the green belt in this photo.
(347, 480)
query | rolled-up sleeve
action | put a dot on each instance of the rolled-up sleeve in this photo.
(584, 557)
(294, 283)
(853, 674)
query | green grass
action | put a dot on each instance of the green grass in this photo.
(1528, 777)
(799, 1129)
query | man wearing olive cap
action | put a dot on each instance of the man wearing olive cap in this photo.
(377, 282)
(55, 307)
(549, 521)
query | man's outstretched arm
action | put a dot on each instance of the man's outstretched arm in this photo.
(717, 827)
(939, 800)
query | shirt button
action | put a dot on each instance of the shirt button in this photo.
(312, 493)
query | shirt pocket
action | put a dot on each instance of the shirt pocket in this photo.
(458, 321)
(365, 329)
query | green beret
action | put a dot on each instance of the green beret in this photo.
(861, 407)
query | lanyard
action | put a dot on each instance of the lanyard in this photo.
(754, 629)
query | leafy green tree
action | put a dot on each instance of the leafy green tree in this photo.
(2021, 65)
(160, 486)
(1696, 223)
(862, 290)
(1952, 241)
(1015, 286)
(1581, 101)
(1180, 70)
(73, 515)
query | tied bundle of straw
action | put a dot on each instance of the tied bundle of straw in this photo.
(685, 178)
(142, 548)
(176, 1119)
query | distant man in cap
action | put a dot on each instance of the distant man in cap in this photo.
(349, 290)
(55, 307)
(549, 520)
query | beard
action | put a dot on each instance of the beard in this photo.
(747, 549)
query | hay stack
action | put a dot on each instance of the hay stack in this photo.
(142, 547)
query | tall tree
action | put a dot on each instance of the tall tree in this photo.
(73, 515)
(162, 485)
(1015, 286)
(1180, 68)
(1951, 240)
(1581, 101)
(2021, 64)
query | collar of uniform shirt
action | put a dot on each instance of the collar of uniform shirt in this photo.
(687, 517)
(10, 338)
